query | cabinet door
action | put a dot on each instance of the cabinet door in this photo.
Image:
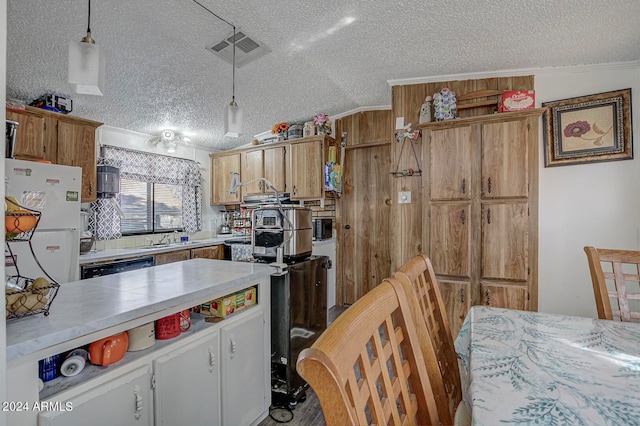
(450, 165)
(243, 369)
(449, 239)
(221, 168)
(274, 167)
(505, 160)
(509, 296)
(252, 168)
(306, 170)
(187, 390)
(212, 252)
(29, 143)
(505, 231)
(77, 147)
(172, 256)
(456, 296)
(125, 400)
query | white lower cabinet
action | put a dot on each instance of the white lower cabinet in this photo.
(187, 384)
(244, 396)
(125, 400)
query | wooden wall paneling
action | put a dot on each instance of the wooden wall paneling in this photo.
(532, 303)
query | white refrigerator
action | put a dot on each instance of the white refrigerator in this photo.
(55, 191)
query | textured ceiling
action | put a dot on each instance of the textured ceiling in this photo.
(330, 56)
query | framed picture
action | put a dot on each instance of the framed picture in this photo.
(588, 129)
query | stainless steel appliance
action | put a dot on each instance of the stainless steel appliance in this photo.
(322, 228)
(289, 227)
(108, 268)
(298, 317)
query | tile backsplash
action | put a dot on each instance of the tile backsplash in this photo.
(143, 240)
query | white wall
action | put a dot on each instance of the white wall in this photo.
(108, 135)
(589, 204)
(3, 95)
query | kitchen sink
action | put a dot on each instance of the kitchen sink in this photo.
(155, 246)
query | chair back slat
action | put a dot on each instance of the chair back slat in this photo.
(612, 301)
(418, 275)
(368, 367)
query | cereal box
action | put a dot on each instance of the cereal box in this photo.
(516, 100)
(229, 304)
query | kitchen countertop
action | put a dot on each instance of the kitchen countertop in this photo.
(115, 254)
(84, 309)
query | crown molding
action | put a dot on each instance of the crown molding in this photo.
(517, 72)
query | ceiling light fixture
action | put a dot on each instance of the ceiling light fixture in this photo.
(232, 112)
(86, 64)
(169, 140)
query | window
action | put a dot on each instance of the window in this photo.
(157, 194)
(150, 207)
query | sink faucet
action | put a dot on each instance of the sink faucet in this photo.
(162, 240)
(176, 236)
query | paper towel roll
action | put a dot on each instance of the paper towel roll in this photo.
(74, 363)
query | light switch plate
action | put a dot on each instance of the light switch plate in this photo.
(404, 197)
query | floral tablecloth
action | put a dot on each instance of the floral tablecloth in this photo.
(533, 368)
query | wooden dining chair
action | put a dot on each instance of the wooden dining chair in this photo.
(419, 278)
(626, 300)
(368, 367)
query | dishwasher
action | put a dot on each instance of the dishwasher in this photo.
(108, 268)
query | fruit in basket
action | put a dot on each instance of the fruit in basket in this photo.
(11, 297)
(20, 221)
(39, 286)
(11, 204)
(29, 302)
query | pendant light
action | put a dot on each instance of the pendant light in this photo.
(232, 112)
(86, 64)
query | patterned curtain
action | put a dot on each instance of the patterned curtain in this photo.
(150, 168)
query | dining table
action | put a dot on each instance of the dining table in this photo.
(522, 367)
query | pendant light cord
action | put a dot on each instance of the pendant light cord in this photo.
(233, 84)
(89, 19)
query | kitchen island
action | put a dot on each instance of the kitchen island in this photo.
(88, 310)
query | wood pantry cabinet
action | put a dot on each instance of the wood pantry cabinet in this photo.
(480, 232)
(61, 139)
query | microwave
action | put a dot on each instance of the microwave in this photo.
(322, 228)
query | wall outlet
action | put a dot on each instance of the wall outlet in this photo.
(404, 197)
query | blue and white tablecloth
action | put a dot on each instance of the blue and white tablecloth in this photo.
(533, 368)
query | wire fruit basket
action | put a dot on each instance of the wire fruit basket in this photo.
(25, 296)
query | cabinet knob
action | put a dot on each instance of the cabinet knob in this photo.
(347, 227)
(233, 346)
(91, 188)
(488, 294)
(464, 186)
(139, 402)
(212, 359)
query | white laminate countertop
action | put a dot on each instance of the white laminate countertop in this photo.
(115, 254)
(86, 307)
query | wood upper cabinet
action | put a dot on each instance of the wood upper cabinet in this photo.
(61, 139)
(505, 152)
(305, 171)
(77, 147)
(275, 167)
(221, 167)
(450, 165)
(365, 127)
(268, 163)
(29, 140)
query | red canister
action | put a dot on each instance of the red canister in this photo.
(170, 327)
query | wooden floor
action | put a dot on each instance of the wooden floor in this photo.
(307, 413)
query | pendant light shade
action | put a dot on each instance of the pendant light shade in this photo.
(232, 120)
(86, 64)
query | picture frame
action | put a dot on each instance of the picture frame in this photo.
(588, 129)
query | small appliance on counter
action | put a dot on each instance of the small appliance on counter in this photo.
(289, 227)
(322, 229)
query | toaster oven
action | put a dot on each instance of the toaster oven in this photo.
(289, 228)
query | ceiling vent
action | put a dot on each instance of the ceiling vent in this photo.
(247, 48)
